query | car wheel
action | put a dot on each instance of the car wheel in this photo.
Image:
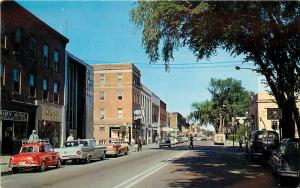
(103, 156)
(63, 162)
(280, 180)
(15, 170)
(43, 166)
(58, 165)
(88, 159)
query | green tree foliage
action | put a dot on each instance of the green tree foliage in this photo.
(265, 32)
(229, 99)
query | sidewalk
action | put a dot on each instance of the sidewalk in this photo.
(4, 160)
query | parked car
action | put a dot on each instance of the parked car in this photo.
(285, 162)
(37, 155)
(81, 150)
(165, 141)
(219, 139)
(262, 143)
(114, 146)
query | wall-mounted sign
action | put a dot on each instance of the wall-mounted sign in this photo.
(273, 114)
(13, 115)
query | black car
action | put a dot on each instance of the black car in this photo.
(285, 162)
(262, 143)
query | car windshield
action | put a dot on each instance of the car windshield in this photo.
(29, 149)
(71, 144)
(84, 143)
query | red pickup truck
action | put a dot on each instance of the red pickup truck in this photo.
(37, 155)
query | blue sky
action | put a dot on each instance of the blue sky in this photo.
(102, 31)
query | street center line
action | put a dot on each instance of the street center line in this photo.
(134, 180)
(141, 174)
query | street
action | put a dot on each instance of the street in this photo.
(206, 165)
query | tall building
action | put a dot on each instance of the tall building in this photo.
(32, 78)
(79, 97)
(155, 128)
(146, 106)
(117, 110)
(177, 122)
(163, 117)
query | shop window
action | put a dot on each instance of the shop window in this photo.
(55, 92)
(120, 94)
(120, 113)
(102, 78)
(31, 85)
(56, 60)
(17, 41)
(46, 55)
(32, 49)
(102, 95)
(45, 89)
(17, 81)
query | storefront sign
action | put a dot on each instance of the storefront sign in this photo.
(48, 112)
(13, 115)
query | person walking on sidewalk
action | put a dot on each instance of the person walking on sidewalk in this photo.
(140, 142)
(191, 142)
(33, 137)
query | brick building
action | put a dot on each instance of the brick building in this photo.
(117, 91)
(32, 77)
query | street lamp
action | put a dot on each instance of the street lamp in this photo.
(246, 68)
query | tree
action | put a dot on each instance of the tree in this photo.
(266, 33)
(229, 99)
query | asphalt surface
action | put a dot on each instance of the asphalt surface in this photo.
(204, 166)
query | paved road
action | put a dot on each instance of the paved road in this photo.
(204, 166)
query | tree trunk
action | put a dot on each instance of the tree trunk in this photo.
(287, 123)
(296, 116)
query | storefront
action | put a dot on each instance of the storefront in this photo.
(17, 124)
(49, 121)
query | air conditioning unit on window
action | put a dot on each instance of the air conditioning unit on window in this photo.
(101, 116)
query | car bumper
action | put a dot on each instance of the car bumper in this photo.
(70, 157)
(111, 152)
(26, 165)
(288, 173)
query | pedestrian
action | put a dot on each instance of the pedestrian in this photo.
(139, 143)
(33, 137)
(191, 142)
(241, 144)
(70, 137)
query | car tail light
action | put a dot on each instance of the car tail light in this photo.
(78, 152)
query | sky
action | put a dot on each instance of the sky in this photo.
(101, 32)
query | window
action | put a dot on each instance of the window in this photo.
(102, 113)
(2, 73)
(16, 83)
(4, 42)
(56, 60)
(32, 49)
(120, 94)
(45, 89)
(46, 55)
(102, 78)
(102, 95)
(120, 112)
(31, 85)
(120, 77)
(55, 92)
(17, 41)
